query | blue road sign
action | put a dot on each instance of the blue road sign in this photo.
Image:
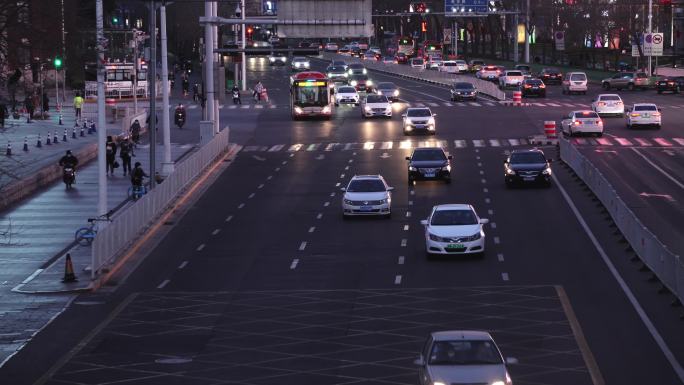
(466, 6)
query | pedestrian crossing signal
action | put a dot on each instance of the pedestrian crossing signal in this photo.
(58, 62)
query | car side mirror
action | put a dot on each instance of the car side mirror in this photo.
(450, 157)
(424, 222)
(390, 188)
(660, 110)
(550, 160)
(343, 189)
(408, 158)
(434, 115)
(403, 115)
(511, 361)
(418, 362)
(505, 161)
(484, 221)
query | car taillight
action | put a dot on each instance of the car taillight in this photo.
(635, 114)
(578, 122)
(601, 104)
(656, 114)
(542, 86)
(528, 86)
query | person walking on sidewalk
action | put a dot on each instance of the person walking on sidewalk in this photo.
(28, 104)
(110, 148)
(135, 132)
(125, 153)
(137, 176)
(78, 104)
(258, 89)
(195, 92)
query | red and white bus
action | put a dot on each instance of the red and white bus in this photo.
(311, 95)
(430, 47)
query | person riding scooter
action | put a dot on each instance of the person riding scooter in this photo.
(179, 116)
(68, 163)
(236, 95)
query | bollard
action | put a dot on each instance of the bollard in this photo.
(54, 138)
(73, 133)
(60, 120)
(26, 143)
(39, 144)
(550, 129)
(82, 131)
(64, 137)
(48, 141)
(9, 149)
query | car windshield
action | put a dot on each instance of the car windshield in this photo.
(336, 69)
(463, 352)
(609, 97)
(417, 61)
(464, 86)
(366, 185)
(453, 218)
(376, 99)
(578, 77)
(523, 68)
(528, 157)
(514, 73)
(418, 112)
(645, 108)
(449, 64)
(551, 71)
(426, 155)
(359, 77)
(533, 82)
(346, 90)
(587, 115)
(387, 86)
(338, 63)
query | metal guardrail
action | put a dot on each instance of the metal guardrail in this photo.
(134, 219)
(431, 76)
(666, 265)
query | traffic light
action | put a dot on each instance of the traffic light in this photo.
(115, 20)
(423, 26)
(57, 62)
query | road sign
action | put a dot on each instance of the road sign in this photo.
(653, 44)
(466, 6)
(447, 36)
(559, 37)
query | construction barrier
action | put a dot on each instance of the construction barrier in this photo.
(550, 129)
(517, 97)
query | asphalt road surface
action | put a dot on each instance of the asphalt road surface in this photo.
(262, 282)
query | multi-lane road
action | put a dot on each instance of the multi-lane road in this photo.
(262, 282)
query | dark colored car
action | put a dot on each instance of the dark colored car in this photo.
(361, 83)
(551, 75)
(390, 90)
(462, 91)
(429, 163)
(337, 74)
(533, 87)
(401, 58)
(527, 166)
(356, 52)
(672, 84)
(356, 69)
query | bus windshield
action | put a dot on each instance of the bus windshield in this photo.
(311, 95)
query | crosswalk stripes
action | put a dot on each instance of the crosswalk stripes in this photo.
(461, 144)
(192, 106)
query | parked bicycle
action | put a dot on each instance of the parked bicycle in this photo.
(85, 235)
(136, 192)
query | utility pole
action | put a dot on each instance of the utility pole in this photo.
(167, 165)
(244, 45)
(101, 126)
(135, 71)
(515, 35)
(650, 30)
(527, 32)
(152, 83)
(209, 63)
(217, 67)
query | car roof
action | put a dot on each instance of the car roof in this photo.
(453, 206)
(449, 335)
(600, 95)
(378, 176)
(583, 111)
(418, 149)
(417, 108)
(527, 150)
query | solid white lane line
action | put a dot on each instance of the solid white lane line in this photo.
(483, 180)
(406, 227)
(241, 205)
(164, 283)
(401, 260)
(312, 229)
(302, 246)
(326, 204)
(413, 192)
(229, 218)
(397, 280)
(665, 173)
(277, 169)
(504, 276)
(216, 231)
(481, 172)
(200, 247)
(477, 157)
(500, 257)
(182, 265)
(319, 216)
(479, 164)
(250, 196)
(492, 224)
(341, 176)
(354, 153)
(284, 162)
(294, 264)
(679, 370)
(351, 161)
(403, 242)
(260, 186)
(497, 240)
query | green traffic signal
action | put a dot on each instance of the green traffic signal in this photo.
(115, 20)
(58, 62)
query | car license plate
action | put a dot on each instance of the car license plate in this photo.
(646, 115)
(429, 175)
(528, 178)
(536, 88)
(366, 208)
(455, 246)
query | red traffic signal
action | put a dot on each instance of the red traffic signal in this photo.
(423, 26)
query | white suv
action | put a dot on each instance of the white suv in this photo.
(367, 195)
(575, 82)
(512, 78)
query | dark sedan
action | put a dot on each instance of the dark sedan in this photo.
(527, 166)
(361, 83)
(533, 87)
(551, 75)
(401, 58)
(388, 89)
(672, 84)
(462, 91)
(429, 163)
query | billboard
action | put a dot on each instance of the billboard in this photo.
(466, 6)
(332, 18)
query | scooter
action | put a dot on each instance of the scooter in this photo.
(179, 118)
(236, 97)
(69, 176)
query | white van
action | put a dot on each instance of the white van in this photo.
(417, 63)
(575, 82)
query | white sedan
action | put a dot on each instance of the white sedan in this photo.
(608, 104)
(367, 195)
(582, 122)
(454, 229)
(376, 105)
(454, 66)
(346, 95)
(644, 114)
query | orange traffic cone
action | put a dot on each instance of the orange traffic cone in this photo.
(69, 275)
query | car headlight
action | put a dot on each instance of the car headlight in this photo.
(347, 202)
(369, 82)
(431, 121)
(438, 383)
(306, 64)
(411, 168)
(498, 383)
(298, 110)
(330, 74)
(435, 238)
(547, 171)
(368, 109)
(346, 75)
(476, 236)
(354, 83)
(271, 58)
(385, 200)
(510, 171)
(396, 92)
(326, 110)
(350, 72)
(379, 92)
(364, 71)
(446, 168)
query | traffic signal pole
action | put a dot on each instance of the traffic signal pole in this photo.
(650, 30)
(527, 32)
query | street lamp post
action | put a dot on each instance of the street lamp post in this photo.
(650, 30)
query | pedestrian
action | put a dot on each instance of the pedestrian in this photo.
(137, 175)
(195, 92)
(78, 104)
(46, 102)
(135, 132)
(3, 114)
(110, 148)
(258, 88)
(125, 153)
(28, 104)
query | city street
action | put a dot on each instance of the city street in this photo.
(263, 282)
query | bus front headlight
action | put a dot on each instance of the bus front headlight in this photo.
(298, 110)
(326, 110)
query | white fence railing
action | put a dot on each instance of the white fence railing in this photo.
(128, 224)
(434, 76)
(667, 266)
